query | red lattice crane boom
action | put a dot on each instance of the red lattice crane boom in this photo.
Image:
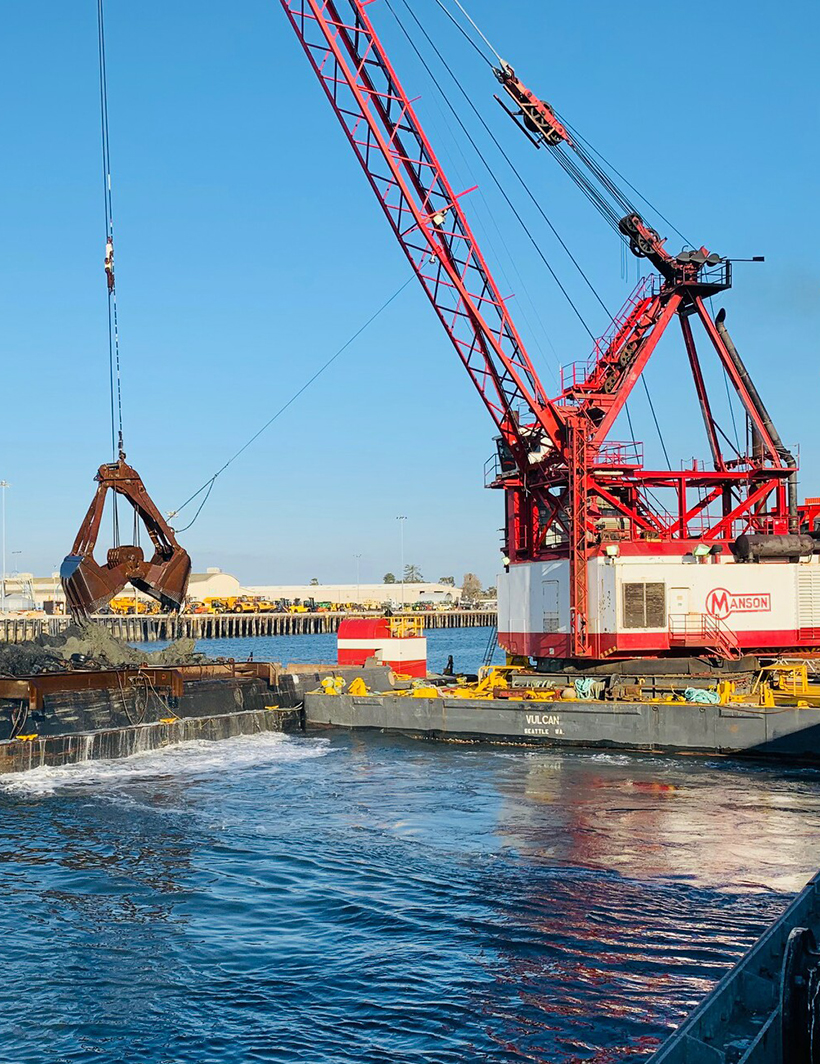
(425, 214)
(569, 490)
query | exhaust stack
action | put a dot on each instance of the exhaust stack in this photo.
(784, 452)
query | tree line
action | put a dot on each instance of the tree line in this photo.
(471, 586)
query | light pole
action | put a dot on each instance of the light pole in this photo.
(401, 519)
(4, 484)
(358, 558)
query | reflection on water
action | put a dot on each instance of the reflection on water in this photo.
(712, 823)
(342, 899)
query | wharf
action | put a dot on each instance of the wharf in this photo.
(150, 629)
(783, 732)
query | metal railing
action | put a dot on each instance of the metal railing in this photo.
(619, 453)
(576, 374)
(701, 629)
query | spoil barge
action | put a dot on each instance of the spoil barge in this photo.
(65, 717)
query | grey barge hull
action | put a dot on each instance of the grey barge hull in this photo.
(783, 732)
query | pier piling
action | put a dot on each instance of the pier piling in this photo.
(151, 629)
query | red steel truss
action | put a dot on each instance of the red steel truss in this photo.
(425, 214)
(567, 486)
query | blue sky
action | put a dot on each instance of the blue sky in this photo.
(249, 247)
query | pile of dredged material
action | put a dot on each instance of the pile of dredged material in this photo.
(87, 645)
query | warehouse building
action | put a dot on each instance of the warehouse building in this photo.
(24, 591)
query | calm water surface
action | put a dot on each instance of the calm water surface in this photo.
(467, 645)
(351, 899)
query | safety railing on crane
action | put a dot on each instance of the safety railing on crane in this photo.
(498, 469)
(619, 454)
(696, 526)
(576, 374)
(719, 276)
(702, 630)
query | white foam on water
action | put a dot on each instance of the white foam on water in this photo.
(197, 757)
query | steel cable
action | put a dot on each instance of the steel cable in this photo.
(609, 215)
(488, 168)
(208, 486)
(115, 382)
(466, 35)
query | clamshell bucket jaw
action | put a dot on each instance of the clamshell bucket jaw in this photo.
(89, 586)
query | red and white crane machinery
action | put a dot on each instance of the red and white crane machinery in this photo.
(594, 569)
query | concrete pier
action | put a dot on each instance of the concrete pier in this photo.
(226, 625)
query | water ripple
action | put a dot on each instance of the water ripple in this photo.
(347, 899)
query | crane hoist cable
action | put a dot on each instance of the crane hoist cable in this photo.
(465, 34)
(487, 166)
(625, 180)
(524, 185)
(208, 486)
(586, 152)
(565, 160)
(115, 380)
(114, 372)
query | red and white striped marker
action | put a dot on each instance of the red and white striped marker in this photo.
(395, 642)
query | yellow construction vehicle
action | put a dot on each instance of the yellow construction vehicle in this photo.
(127, 605)
(214, 604)
(121, 605)
(245, 604)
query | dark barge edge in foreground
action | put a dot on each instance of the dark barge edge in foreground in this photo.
(766, 1009)
(783, 732)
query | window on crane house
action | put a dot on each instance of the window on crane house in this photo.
(644, 605)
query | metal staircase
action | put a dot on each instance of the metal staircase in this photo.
(702, 631)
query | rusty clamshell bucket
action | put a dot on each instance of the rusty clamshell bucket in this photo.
(89, 586)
